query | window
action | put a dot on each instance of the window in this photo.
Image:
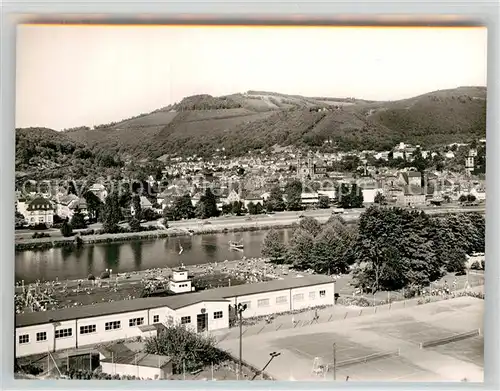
(88, 329)
(135, 322)
(263, 303)
(247, 303)
(312, 295)
(217, 314)
(281, 300)
(298, 297)
(322, 293)
(64, 333)
(112, 325)
(42, 336)
(24, 338)
(185, 319)
(156, 319)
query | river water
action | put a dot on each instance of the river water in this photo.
(47, 265)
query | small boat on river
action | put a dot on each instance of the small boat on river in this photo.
(236, 245)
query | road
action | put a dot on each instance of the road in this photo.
(279, 218)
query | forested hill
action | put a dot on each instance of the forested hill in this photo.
(202, 124)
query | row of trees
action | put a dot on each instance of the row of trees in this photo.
(183, 208)
(324, 248)
(391, 248)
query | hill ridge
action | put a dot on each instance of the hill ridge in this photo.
(257, 119)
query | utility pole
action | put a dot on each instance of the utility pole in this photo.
(239, 310)
(334, 361)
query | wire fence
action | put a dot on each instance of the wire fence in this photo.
(311, 316)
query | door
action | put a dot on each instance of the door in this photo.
(201, 322)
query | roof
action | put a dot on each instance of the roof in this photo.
(144, 201)
(109, 308)
(97, 187)
(121, 354)
(173, 302)
(270, 286)
(39, 203)
(67, 199)
(147, 327)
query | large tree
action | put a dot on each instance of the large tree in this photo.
(209, 202)
(112, 213)
(332, 251)
(136, 205)
(324, 202)
(299, 252)
(78, 220)
(273, 247)
(275, 202)
(94, 205)
(293, 191)
(310, 224)
(181, 209)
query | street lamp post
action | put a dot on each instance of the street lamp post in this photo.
(273, 355)
(239, 310)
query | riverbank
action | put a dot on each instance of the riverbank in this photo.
(71, 242)
(282, 220)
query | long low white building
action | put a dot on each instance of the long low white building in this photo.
(40, 332)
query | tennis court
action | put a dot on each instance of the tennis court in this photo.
(470, 350)
(375, 340)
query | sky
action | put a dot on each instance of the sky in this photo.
(68, 76)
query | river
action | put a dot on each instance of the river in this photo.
(63, 263)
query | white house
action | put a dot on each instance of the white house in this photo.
(180, 282)
(206, 311)
(144, 202)
(120, 359)
(67, 204)
(22, 206)
(411, 199)
(309, 199)
(331, 194)
(99, 190)
(254, 198)
(39, 211)
(233, 196)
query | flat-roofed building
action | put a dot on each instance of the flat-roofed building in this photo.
(205, 311)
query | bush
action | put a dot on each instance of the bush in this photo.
(476, 266)
(87, 232)
(39, 227)
(104, 275)
(38, 235)
(91, 277)
(66, 230)
(175, 341)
